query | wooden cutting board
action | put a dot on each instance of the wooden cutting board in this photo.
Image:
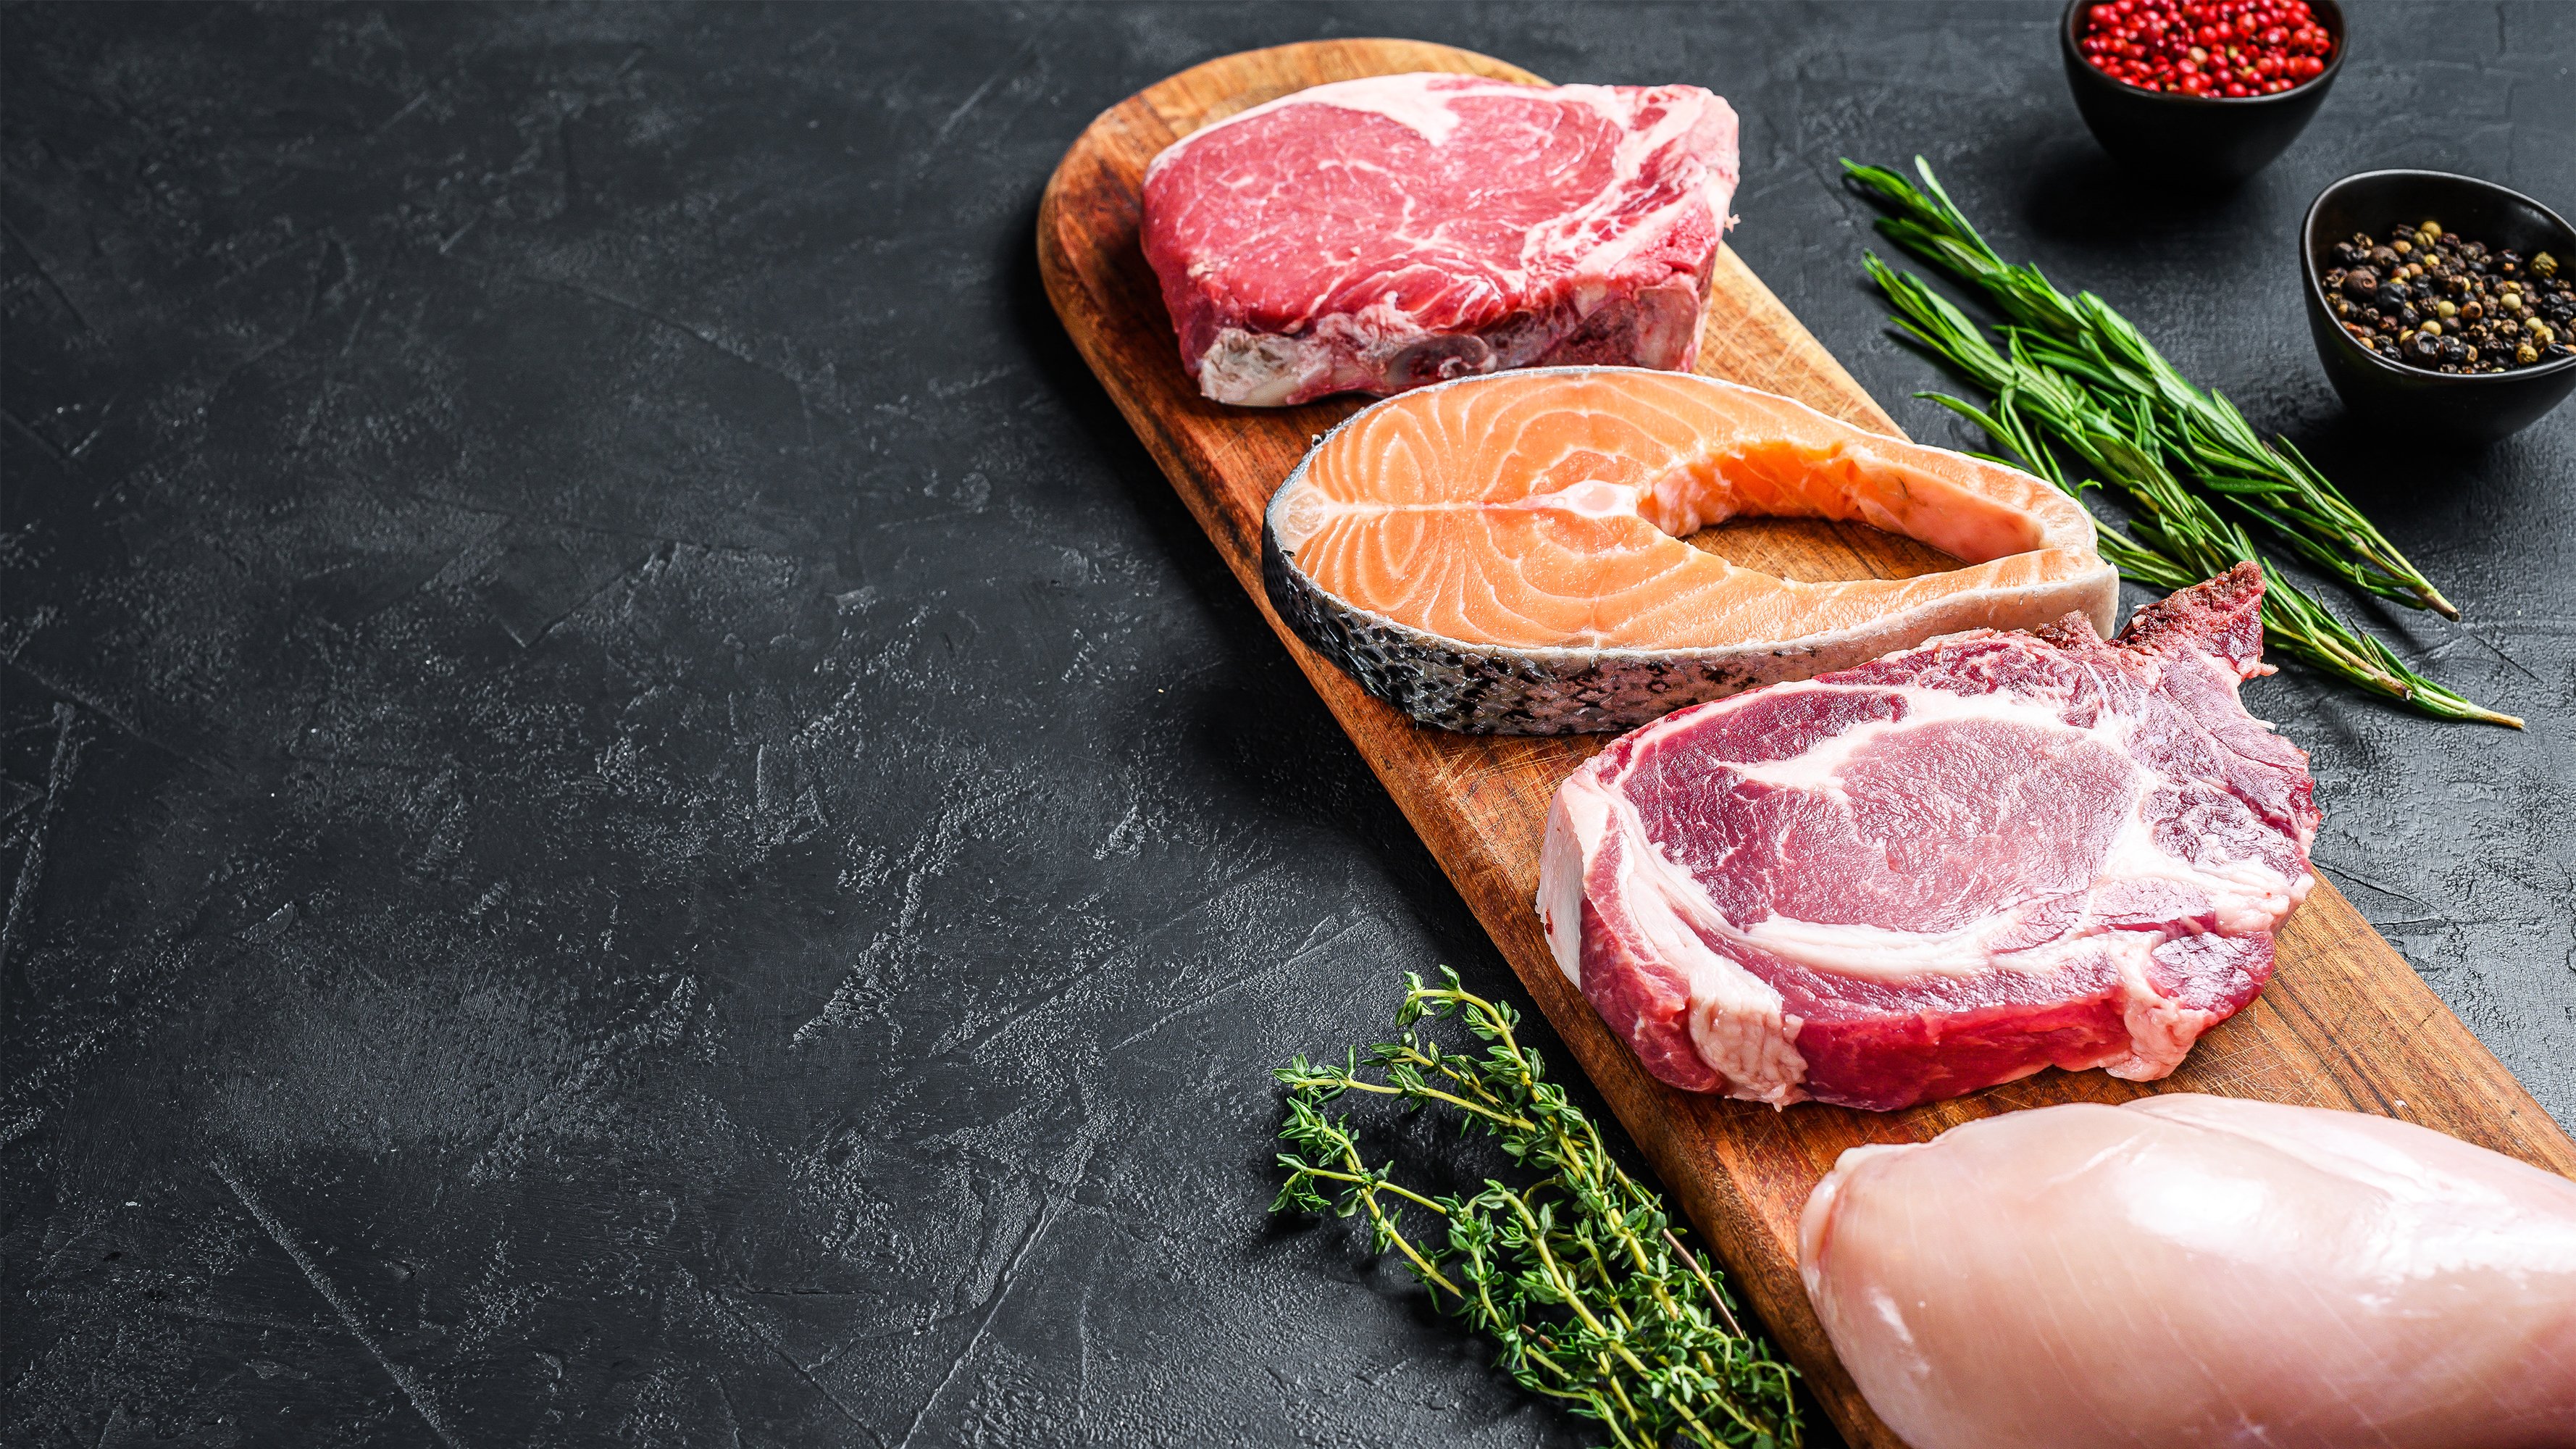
(2345, 1023)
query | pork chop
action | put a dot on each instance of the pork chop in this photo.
(1943, 869)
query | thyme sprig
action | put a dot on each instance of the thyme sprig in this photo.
(2177, 538)
(2199, 432)
(1578, 1276)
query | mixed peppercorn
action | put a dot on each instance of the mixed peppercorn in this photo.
(2225, 48)
(2429, 299)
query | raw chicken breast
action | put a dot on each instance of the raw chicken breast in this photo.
(2190, 1270)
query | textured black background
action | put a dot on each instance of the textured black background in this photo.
(633, 817)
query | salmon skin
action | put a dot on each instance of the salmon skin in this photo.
(1505, 554)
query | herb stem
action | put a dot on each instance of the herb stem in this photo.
(2199, 431)
(1355, 1084)
(1578, 1275)
(2178, 539)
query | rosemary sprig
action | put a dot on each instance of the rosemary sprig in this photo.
(2200, 432)
(1578, 1276)
(2177, 538)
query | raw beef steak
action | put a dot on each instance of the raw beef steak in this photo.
(1384, 233)
(1947, 868)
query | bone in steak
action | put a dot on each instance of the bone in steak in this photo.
(1383, 233)
(1947, 868)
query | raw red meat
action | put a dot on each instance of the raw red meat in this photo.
(1947, 868)
(1384, 233)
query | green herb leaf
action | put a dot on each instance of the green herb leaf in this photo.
(2101, 395)
(2200, 433)
(1577, 1275)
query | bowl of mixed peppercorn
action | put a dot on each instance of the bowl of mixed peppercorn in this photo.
(2200, 92)
(2441, 304)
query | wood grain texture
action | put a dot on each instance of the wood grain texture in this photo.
(2346, 1023)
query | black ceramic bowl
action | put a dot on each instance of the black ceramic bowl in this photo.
(2474, 407)
(2194, 140)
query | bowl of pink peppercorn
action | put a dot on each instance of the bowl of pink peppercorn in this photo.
(2200, 91)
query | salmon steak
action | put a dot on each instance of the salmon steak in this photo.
(1507, 554)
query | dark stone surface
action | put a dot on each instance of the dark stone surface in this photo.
(633, 817)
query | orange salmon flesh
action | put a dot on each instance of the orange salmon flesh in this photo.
(1547, 510)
